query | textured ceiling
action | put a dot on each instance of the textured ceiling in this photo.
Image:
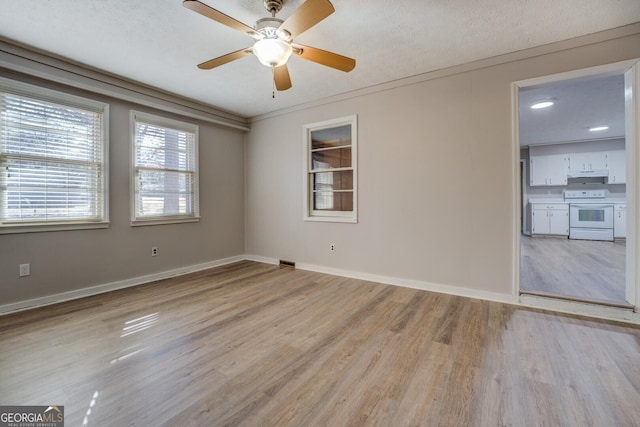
(159, 42)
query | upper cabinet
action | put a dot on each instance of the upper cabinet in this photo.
(553, 164)
(617, 167)
(550, 169)
(582, 162)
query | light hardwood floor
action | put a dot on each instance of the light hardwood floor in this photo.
(256, 345)
(578, 269)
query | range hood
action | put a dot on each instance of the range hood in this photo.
(598, 173)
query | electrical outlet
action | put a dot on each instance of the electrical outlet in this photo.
(332, 247)
(25, 270)
(154, 251)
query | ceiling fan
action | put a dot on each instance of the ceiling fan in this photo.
(274, 38)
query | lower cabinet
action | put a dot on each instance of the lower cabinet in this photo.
(550, 218)
(619, 221)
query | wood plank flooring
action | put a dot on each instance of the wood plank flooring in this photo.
(252, 344)
(577, 269)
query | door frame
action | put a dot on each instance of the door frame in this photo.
(522, 198)
(631, 70)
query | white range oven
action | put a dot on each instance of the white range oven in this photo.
(590, 216)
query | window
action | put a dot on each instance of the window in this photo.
(330, 170)
(53, 157)
(165, 170)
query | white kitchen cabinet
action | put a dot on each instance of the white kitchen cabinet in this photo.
(580, 162)
(617, 167)
(619, 221)
(599, 161)
(550, 218)
(538, 166)
(548, 169)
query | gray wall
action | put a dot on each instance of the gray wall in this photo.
(436, 181)
(70, 260)
(436, 173)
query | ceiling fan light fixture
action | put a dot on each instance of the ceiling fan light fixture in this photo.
(272, 52)
(275, 36)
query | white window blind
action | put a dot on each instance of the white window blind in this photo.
(165, 169)
(52, 157)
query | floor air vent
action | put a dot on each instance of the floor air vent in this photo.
(284, 263)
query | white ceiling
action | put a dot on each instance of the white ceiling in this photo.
(578, 105)
(159, 42)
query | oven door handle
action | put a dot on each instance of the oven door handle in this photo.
(591, 206)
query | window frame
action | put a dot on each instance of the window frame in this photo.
(311, 214)
(155, 120)
(64, 99)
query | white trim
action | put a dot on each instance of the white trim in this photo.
(323, 217)
(525, 54)
(262, 259)
(107, 287)
(633, 162)
(163, 221)
(516, 189)
(615, 68)
(329, 216)
(42, 94)
(414, 284)
(136, 117)
(560, 306)
(47, 67)
(632, 145)
(570, 307)
(523, 196)
(42, 228)
(580, 308)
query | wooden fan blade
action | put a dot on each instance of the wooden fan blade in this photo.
(323, 57)
(306, 16)
(220, 17)
(281, 77)
(221, 60)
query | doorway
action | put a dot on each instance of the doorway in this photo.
(578, 143)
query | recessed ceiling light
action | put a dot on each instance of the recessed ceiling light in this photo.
(598, 128)
(541, 104)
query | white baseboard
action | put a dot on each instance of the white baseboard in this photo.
(415, 284)
(107, 287)
(550, 304)
(262, 259)
(569, 307)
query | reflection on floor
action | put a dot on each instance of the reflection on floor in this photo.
(576, 269)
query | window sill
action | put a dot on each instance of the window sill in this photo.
(60, 226)
(162, 221)
(344, 219)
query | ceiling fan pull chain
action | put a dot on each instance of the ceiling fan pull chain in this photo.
(273, 90)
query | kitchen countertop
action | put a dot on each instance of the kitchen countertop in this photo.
(581, 201)
(558, 200)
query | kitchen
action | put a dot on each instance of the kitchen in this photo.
(573, 169)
